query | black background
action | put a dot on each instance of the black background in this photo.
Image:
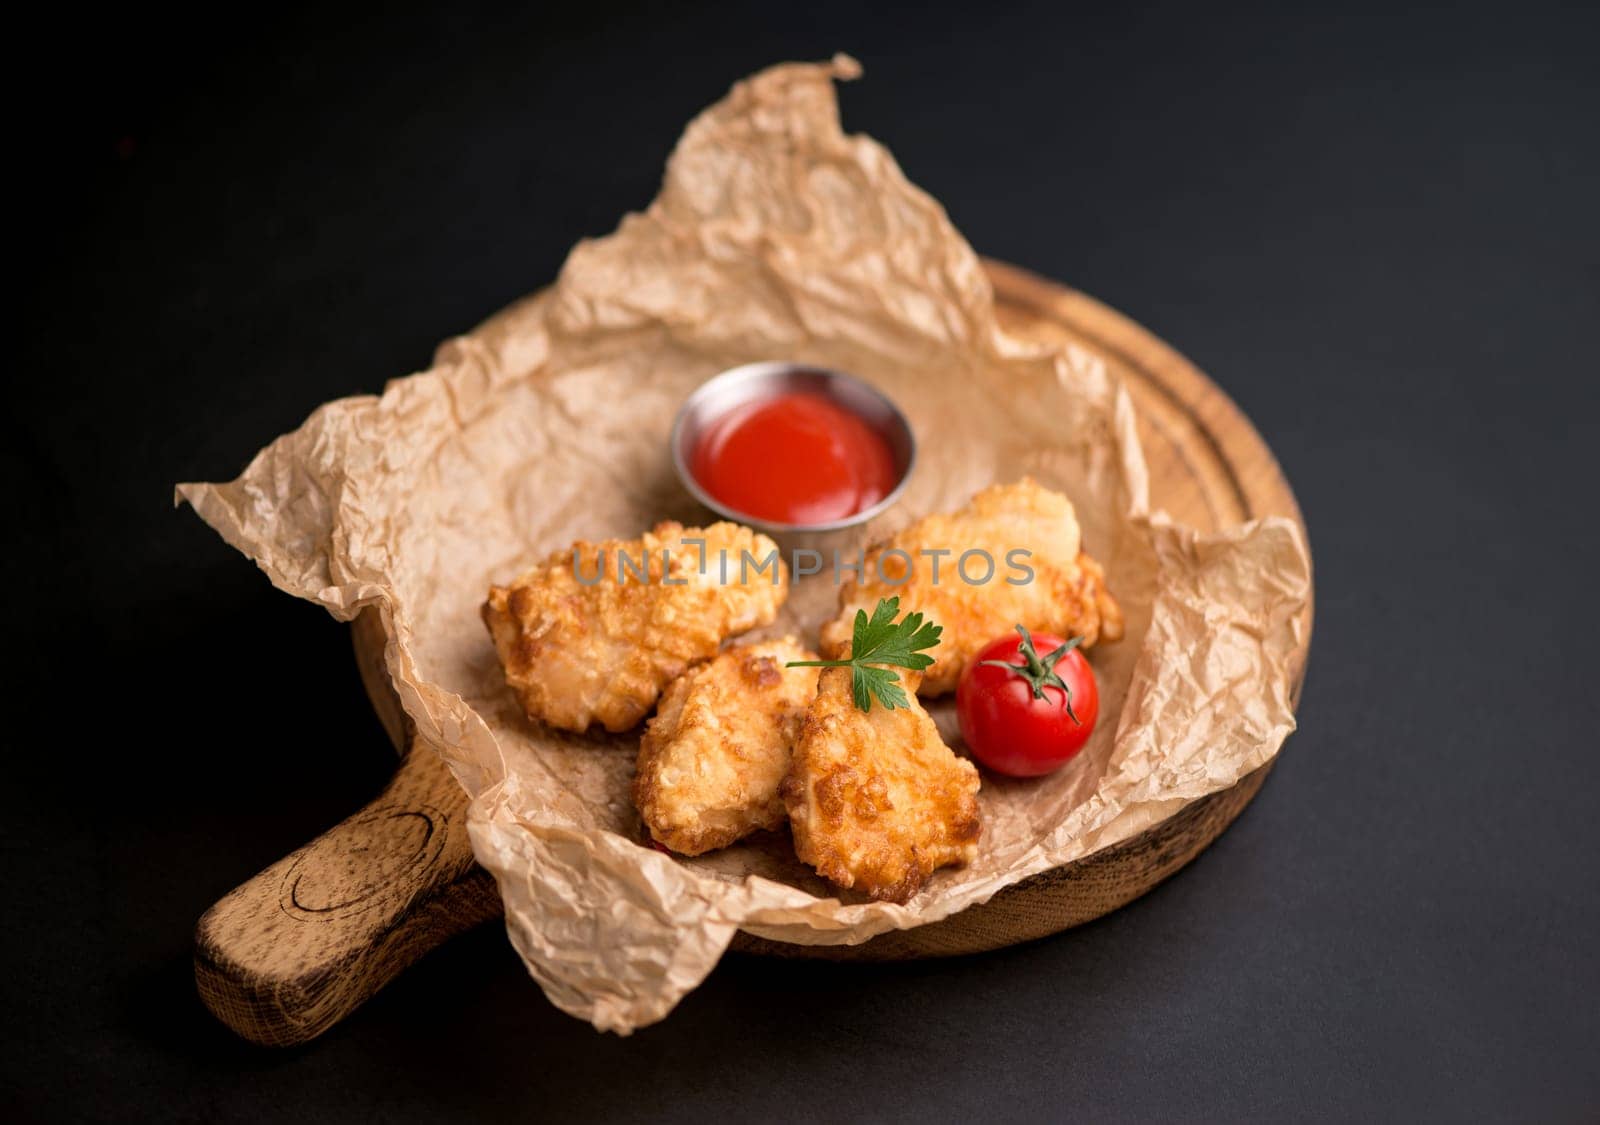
(1375, 228)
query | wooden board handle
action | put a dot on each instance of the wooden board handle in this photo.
(288, 954)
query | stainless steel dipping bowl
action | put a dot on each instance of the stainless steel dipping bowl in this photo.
(754, 382)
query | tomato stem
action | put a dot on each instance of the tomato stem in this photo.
(1040, 672)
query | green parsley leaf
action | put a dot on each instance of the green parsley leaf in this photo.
(878, 642)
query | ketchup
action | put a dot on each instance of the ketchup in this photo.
(797, 458)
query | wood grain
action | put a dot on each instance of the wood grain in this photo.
(289, 953)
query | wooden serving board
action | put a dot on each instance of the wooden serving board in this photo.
(288, 954)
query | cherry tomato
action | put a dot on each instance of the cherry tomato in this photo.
(1027, 704)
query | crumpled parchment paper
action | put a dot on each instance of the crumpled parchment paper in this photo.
(775, 236)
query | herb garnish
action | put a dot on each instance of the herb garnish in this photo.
(878, 641)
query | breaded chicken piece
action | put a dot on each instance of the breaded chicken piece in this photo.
(1067, 593)
(876, 800)
(712, 759)
(593, 633)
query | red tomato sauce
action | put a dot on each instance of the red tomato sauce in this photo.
(795, 458)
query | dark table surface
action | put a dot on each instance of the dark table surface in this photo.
(1375, 228)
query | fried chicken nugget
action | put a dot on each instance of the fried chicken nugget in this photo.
(1067, 593)
(593, 633)
(712, 759)
(876, 799)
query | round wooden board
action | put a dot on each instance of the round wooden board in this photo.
(378, 891)
(1208, 468)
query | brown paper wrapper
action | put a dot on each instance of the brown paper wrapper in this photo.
(775, 236)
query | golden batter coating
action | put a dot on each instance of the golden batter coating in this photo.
(876, 800)
(1067, 593)
(593, 633)
(712, 759)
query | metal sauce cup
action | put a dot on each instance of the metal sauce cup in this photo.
(754, 382)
